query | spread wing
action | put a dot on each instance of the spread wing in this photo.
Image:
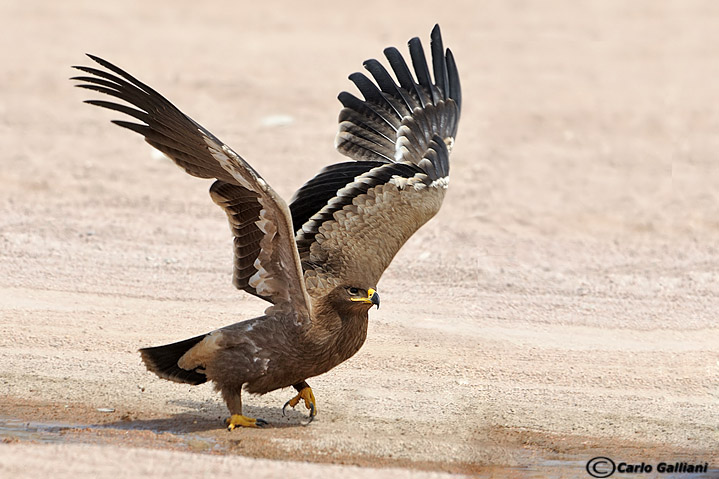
(353, 217)
(266, 258)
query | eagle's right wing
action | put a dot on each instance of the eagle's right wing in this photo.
(266, 259)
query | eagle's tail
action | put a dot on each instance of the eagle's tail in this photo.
(162, 360)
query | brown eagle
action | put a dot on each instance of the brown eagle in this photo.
(317, 261)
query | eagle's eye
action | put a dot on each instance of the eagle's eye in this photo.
(353, 291)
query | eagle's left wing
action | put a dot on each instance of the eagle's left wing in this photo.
(353, 217)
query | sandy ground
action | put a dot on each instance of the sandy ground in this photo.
(561, 306)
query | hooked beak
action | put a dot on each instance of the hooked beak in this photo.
(373, 297)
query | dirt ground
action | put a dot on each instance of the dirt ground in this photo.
(561, 306)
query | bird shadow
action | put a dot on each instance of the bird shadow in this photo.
(203, 418)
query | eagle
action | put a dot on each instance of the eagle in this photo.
(318, 260)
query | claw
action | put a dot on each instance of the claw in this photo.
(310, 403)
(285, 406)
(238, 420)
(313, 413)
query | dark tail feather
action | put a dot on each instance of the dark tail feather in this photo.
(162, 360)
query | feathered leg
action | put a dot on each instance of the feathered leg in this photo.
(304, 391)
(233, 399)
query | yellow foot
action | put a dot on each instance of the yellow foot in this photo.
(310, 403)
(238, 420)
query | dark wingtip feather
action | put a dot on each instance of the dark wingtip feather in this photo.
(123, 74)
(348, 100)
(368, 89)
(99, 60)
(401, 71)
(419, 62)
(426, 103)
(455, 89)
(143, 130)
(97, 88)
(387, 85)
(381, 75)
(439, 63)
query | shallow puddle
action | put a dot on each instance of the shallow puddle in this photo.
(15, 429)
(12, 430)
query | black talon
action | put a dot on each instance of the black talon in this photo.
(311, 417)
(261, 422)
(285, 407)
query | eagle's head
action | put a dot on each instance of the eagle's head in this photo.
(367, 296)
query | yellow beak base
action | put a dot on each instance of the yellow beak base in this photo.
(372, 298)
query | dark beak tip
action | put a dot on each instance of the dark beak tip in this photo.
(375, 299)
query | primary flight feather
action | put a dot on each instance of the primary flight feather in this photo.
(318, 260)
